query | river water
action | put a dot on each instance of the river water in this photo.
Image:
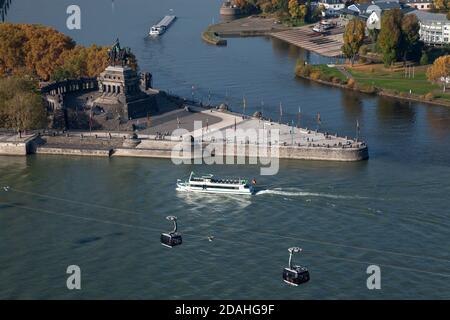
(106, 215)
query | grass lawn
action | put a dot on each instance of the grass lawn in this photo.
(330, 71)
(394, 79)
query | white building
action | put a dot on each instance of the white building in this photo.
(419, 4)
(374, 20)
(434, 27)
(331, 6)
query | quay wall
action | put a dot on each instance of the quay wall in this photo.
(152, 148)
(322, 153)
(21, 147)
(73, 151)
(230, 11)
(356, 153)
(13, 148)
(143, 153)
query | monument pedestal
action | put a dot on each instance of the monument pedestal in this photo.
(120, 89)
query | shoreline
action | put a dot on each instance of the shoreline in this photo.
(250, 26)
(299, 144)
(245, 27)
(377, 92)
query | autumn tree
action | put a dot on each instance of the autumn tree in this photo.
(353, 38)
(390, 36)
(21, 105)
(282, 5)
(48, 54)
(294, 9)
(439, 72)
(247, 6)
(82, 62)
(441, 4)
(31, 49)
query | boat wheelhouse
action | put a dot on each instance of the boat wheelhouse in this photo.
(210, 184)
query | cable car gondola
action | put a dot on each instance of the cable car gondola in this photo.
(173, 238)
(295, 275)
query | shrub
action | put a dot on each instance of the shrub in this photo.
(351, 83)
(315, 75)
(363, 50)
(424, 59)
(335, 80)
(429, 96)
(302, 69)
(366, 88)
(324, 77)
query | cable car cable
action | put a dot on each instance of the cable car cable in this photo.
(256, 232)
(219, 239)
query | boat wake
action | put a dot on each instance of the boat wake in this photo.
(300, 193)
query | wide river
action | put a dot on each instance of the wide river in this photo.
(106, 215)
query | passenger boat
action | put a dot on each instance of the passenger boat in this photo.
(323, 26)
(210, 184)
(162, 26)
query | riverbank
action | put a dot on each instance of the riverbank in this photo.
(327, 45)
(302, 36)
(375, 79)
(248, 26)
(290, 143)
(212, 38)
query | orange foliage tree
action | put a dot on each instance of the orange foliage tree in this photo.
(47, 54)
(439, 72)
(32, 49)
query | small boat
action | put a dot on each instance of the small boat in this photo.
(162, 26)
(318, 28)
(323, 26)
(210, 184)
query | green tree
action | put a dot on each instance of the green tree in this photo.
(21, 105)
(411, 44)
(424, 60)
(353, 38)
(308, 12)
(390, 37)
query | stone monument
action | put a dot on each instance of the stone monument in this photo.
(121, 88)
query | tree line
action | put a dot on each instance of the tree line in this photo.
(46, 54)
(398, 38)
(295, 9)
(33, 53)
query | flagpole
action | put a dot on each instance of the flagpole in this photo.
(357, 129)
(318, 121)
(281, 113)
(90, 120)
(292, 132)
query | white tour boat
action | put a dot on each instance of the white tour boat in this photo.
(210, 184)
